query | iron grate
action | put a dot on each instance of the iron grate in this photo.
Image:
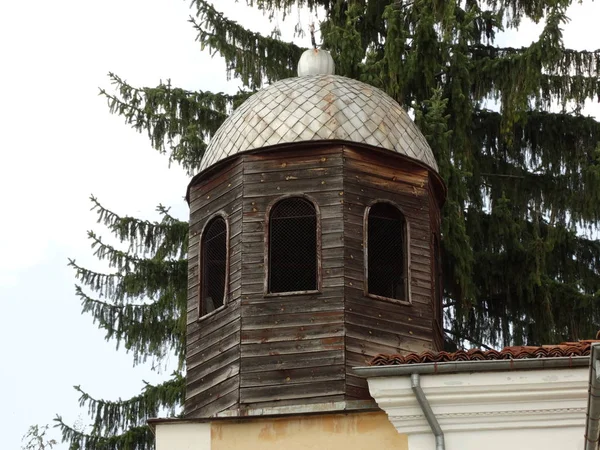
(293, 246)
(386, 252)
(214, 265)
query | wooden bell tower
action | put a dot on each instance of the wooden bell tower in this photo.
(314, 246)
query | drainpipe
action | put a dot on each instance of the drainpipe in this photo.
(415, 379)
(592, 426)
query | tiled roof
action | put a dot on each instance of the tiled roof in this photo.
(580, 348)
(316, 108)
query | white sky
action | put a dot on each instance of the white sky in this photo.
(60, 144)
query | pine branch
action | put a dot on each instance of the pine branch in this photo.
(462, 337)
(104, 284)
(138, 438)
(146, 330)
(112, 417)
(570, 62)
(570, 197)
(123, 261)
(169, 271)
(173, 118)
(556, 142)
(565, 88)
(146, 278)
(144, 236)
(250, 56)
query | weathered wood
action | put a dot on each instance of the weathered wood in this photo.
(305, 185)
(357, 388)
(291, 361)
(293, 376)
(204, 359)
(297, 347)
(278, 309)
(291, 391)
(356, 359)
(360, 341)
(278, 176)
(198, 385)
(213, 355)
(436, 297)
(304, 401)
(201, 343)
(403, 316)
(292, 160)
(275, 350)
(293, 334)
(379, 327)
(227, 172)
(226, 401)
(195, 402)
(209, 324)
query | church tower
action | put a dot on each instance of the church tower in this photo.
(314, 246)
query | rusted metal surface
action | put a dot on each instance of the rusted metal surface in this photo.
(316, 108)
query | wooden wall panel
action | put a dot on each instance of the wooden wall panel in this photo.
(438, 317)
(212, 352)
(292, 347)
(372, 325)
(277, 350)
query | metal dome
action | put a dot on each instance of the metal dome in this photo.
(318, 108)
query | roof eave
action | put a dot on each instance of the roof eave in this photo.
(473, 366)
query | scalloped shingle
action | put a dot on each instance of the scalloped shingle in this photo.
(313, 108)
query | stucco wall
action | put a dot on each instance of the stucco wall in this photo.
(357, 431)
(183, 436)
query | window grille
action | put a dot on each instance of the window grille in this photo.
(293, 246)
(214, 265)
(386, 249)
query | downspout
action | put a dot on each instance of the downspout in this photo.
(592, 426)
(415, 379)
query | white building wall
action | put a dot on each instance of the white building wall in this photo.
(183, 436)
(566, 438)
(532, 409)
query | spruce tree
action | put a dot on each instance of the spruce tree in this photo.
(523, 176)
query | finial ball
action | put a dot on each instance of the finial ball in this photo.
(316, 62)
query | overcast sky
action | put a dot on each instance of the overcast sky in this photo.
(59, 145)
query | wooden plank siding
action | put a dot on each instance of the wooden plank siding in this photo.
(213, 342)
(265, 350)
(292, 347)
(373, 325)
(436, 303)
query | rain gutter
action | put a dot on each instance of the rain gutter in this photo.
(415, 384)
(416, 370)
(474, 366)
(592, 426)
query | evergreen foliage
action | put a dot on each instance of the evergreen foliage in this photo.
(523, 175)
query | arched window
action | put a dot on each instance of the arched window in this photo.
(387, 254)
(213, 266)
(292, 258)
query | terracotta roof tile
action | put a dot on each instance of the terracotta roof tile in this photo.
(580, 348)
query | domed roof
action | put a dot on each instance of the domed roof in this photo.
(318, 108)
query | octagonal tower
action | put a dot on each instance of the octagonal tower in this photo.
(314, 230)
